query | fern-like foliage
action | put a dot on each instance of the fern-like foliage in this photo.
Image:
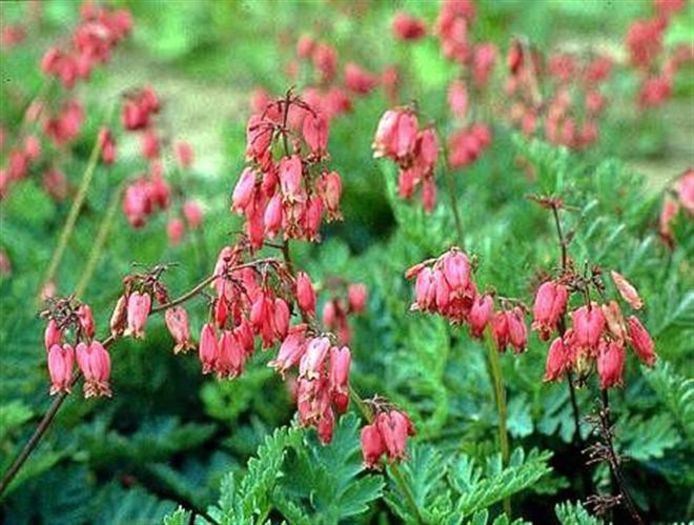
(453, 491)
(570, 513)
(676, 392)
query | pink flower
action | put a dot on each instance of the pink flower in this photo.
(641, 341)
(407, 27)
(243, 191)
(425, 290)
(52, 335)
(395, 427)
(315, 131)
(358, 80)
(150, 145)
(305, 295)
(357, 296)
(500, 330)
(95, 364)
(325, 61)
(84, 313)
(483, 59)
(60, 363)
(685, 190)
(340, 360)
(108, 146)
(550, 304)
(557, 360)
(305, 46)
(588, 325)
(312, 361)
(290, 175)
(272, 217)
(627, 291)
(208, 349)
(610, 364)
(175, 230)
(258, 137)
(280, 318)
(517, 331)
(372, 445)
(184, 154)
(329, 186)
(396, 134)
(291, 351)
(193, 214)
(231, 356)
(456, 268)
(326, 425)
(480, 314)
(139, 306)
(458, 98)
(177, 322)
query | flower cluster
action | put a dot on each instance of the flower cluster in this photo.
(598, 333)
(68, 319)
(569, 114)
(445, 286)
(92, 42)
(644, 43)
(415, 151)
(290, 193)
(679, 196)
(386, 436)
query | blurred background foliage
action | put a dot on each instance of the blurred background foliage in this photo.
(170, 436)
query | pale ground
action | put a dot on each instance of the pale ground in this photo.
(198, 110)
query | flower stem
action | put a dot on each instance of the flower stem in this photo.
(613, 459)
(450, 181)
(99, 242)
(69, 226)
(50, 414)
(367, 414)
(500, 398)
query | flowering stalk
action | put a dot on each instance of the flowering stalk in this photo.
(454, 198)
(367, 414)
(605, 451)
(74, 210)
(50, 414)
(99, 242)
(500, 398)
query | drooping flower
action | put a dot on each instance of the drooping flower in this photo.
(305, 294)
(641, 341)
(139, 305)
(95, 364)
(60, 363)
(176, 319)
(627, 290)
(550, 304)
(610, 364)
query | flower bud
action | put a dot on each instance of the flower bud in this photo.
(52, 335)
(84, 313)
(557, 360)
(119, 317)
(305, 295)
(641, 341)
(627, 291)
(315, 131)
(340, 360)
(588, 325)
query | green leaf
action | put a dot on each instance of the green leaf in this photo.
(570, 513)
